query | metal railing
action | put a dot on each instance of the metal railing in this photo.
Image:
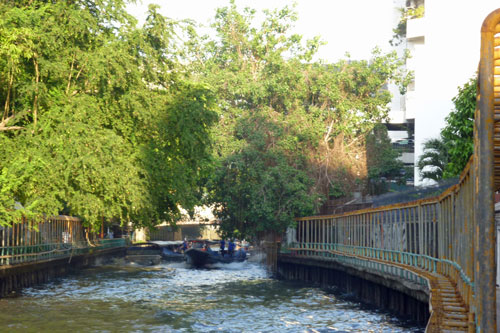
(56, 237)
(356, 256)
(434, 234)
(452, 235)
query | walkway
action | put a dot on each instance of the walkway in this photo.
(448, 311)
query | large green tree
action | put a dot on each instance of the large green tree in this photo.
(105, 119)
(100, 117)
(289, 128)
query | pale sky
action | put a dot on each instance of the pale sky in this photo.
(354, 26)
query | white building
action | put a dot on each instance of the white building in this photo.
(445, 54)
(397, 113)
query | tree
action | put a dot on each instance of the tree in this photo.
(100, 117)
(283, 115)
(406, 14)
(258, 188)
(447, 156)
(458, 133)
(433, 160)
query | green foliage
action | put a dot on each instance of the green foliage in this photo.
(289, 129)
(100, 117)
(259, 191)
(406, 14)
(336, 191)
(182, 145)
(448, 155)
(458, 132)
(105, 119)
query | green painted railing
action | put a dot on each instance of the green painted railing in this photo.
(57, 237)
(22, 254)
(341, 252)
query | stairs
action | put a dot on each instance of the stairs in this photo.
(453, 311)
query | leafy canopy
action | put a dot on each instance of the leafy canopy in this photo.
(104, 119)
(100, 118)
(288, 127)
(382, 160)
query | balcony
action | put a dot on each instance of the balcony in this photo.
(415, 29)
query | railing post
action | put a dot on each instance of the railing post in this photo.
(485, 239)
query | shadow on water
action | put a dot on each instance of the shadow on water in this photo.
(172, 297)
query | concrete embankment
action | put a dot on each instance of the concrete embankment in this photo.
(405, 299)
(15, 277)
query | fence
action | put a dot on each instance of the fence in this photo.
(165, 233)
(56, 237)
(453, 234)
(435, 235)
(182, 231)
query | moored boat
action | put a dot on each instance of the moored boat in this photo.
(144, 254)
(171, 250)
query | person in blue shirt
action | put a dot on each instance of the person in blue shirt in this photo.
(222, 245)
(230, 248)
(184, 245)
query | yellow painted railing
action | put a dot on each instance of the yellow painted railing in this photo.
(452, 235)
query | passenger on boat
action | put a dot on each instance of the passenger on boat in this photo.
(222, 245)
(241, 254)
(184, 245)
(230, 248)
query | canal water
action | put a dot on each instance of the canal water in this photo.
(172, 297)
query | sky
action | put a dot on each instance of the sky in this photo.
(354, 26)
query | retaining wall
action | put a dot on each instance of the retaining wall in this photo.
(15, 277)
(409, 301)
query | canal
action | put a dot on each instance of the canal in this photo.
(171, 297)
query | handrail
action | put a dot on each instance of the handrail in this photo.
(453, 233)
(487, 175)
(55, 237)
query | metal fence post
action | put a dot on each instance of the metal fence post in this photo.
(484, 181)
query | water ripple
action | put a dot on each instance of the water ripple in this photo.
(237, 297)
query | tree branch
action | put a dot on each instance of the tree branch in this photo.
(4, 122)
(70, 73)
(37, 79)
(10, 128)
(7, 99)
(4, 127)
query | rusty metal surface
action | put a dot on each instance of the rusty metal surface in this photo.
(449, 239)
(433, 237)
(486, 176)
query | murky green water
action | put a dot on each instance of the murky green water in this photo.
(174, 298)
